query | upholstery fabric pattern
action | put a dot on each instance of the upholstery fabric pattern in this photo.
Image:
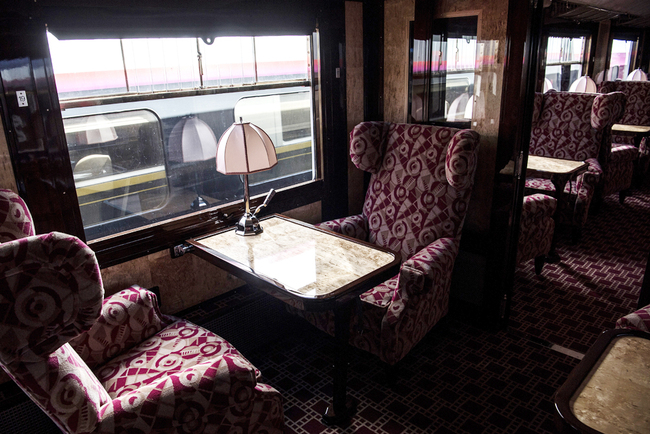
(355, 226)
(536, 226)
(15, 219)
(564, 129)
(163, 378)
(638, 320)
(37, 318)
(128, 318)
(573, 126)
(415, 204)
(637, 112)
(367, 143)
(409, 202)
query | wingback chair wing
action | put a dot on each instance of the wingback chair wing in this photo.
(416, 202)
(637, 112)
(573, 126)
(96, 365)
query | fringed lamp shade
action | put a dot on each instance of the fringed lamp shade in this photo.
(637, 75)
(245, 148)
(584, 84)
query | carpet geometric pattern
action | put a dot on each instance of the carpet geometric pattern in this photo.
(597, 281)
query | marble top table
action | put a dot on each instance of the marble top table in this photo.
(609, 391)
(310, 269)
(638, 131)
(304, 261)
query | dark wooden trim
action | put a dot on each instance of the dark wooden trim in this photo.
(334, 115)
(34, 133)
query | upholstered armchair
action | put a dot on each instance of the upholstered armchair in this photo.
(416, 202)
(573, 126)
(536, 229)
(637, 320)
(113, 365)
(637, 112)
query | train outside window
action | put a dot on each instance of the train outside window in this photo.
(142, 118)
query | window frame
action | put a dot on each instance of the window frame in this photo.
(44, 175)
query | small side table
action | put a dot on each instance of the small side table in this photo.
(309, 268)
(609, 391)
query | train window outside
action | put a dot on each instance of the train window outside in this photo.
(620, 59)
(127, 116)
(565, 59)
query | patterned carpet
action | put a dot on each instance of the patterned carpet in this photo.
(459, 379)
(597, 281)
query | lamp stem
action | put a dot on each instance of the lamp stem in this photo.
(246, 195)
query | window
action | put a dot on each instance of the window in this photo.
(128, 104)
(442, 72)
(565, 60)
(621, 58)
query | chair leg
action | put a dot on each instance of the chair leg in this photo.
(622, 195)
(539, 264)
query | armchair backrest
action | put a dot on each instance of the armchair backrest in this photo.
(50, 291)
(15, 218)
(573, 126)
(421, 181)
(637, 108)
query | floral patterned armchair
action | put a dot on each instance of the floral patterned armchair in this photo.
(117, 365)
(536, 229)
(637, 112)
(573, 126)
(416, 202)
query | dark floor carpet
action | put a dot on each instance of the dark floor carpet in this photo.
(597, 281)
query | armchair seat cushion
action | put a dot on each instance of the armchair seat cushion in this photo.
(180, 346)
(543, 184)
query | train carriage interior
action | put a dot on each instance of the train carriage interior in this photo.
(113, 117)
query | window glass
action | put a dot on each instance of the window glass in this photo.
(564, 60)
(151, 157)
(619, 59)
(452, 54)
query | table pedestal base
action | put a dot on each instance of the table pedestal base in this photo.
(330, 417)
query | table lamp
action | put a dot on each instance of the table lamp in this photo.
(584, 84)
(242, 149)
(192, 140)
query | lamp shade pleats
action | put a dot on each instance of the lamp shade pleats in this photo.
(191, 140)
(637, 75)
(584, 84)
(245, 148)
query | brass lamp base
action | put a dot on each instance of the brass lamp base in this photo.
(248, 225)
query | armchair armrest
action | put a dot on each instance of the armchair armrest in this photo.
(127, 318)
(225, 386)
(355, 226)
(429, 267)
